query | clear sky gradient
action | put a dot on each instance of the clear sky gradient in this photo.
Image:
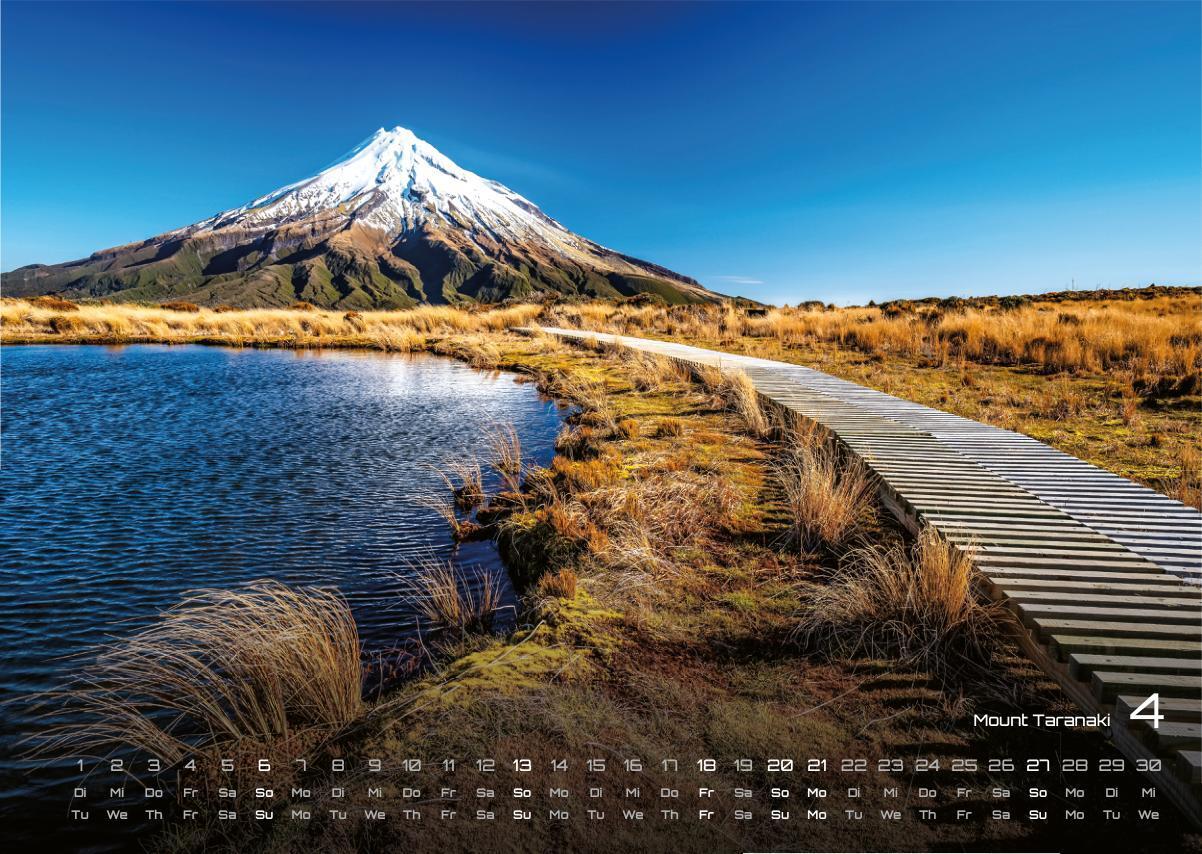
(783, 151)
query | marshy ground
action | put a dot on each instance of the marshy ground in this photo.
(701, 579)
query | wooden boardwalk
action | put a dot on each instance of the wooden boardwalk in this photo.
(1105, 574)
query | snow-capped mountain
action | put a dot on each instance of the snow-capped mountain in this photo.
(391, 223)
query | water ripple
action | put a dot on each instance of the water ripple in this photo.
(129, 475)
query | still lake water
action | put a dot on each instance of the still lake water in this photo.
(129, 475)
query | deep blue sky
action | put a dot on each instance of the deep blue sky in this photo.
(786, 152)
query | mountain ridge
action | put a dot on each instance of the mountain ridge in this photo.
(392, 223)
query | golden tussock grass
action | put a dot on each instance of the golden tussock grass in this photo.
(477, 350)
(260, 665)
(1187, 488)
(577, 442)
(447, 507)
(651, 372)
(1155, 337)
(709, 377)
(465, 480)
(448, 596)
(740, 391)
(829, 497)
(917, 604)
(591, 395)
(669, 427)
(559, 585)
(54, 303)
(39, 319)
(506, 459)
(395, 340)
(647, 519)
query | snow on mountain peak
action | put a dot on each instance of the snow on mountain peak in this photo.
(395, 182)
(392, 222)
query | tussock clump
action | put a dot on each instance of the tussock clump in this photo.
(592, 397)
(397, 340)
(1062, 401)
(66, 324)
(591, 473)
(476, 350)
(506, 455)
(560, 585)
(547, 539)
(445, 506)
(829, 497)
(54, 303)
(451, 597)
(739, 390)
(260, 665)
(709, 377)
(465, 480)
(916, 604)
(647, 519)
(181, 305)
(650, 372)
(669, 427)
(578, 442)
(1188, 487)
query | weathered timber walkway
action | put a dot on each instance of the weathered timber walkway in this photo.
(1104, 574)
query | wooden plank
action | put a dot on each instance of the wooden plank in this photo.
(1080, 665)
(1169, 586)
(1107, 685)
(1173, 708)
(1143, 616)
(1189, 765)
(1192, 607)
(1048, 626)
(1062, 646)
(1133, 565)
(1069, 574)
(1174, 736)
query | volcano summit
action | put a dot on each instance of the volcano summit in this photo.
(393, 223)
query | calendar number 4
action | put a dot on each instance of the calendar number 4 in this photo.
(1155, 716)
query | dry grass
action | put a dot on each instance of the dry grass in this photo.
(829, 497)
(40, 319)
(396, 340)
(477, 350)
(590, 395)
(506, 455)
(667, 428)
(740, 391)
(54, 303)
(559, 585)
(450, 597)
(465, 480)
(1188, 487)
(1151, 336)
(709, 377)
(264, 664)
(446, 507)
(181, 305)
(917, 604)
(647, 520)
(653, 373)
